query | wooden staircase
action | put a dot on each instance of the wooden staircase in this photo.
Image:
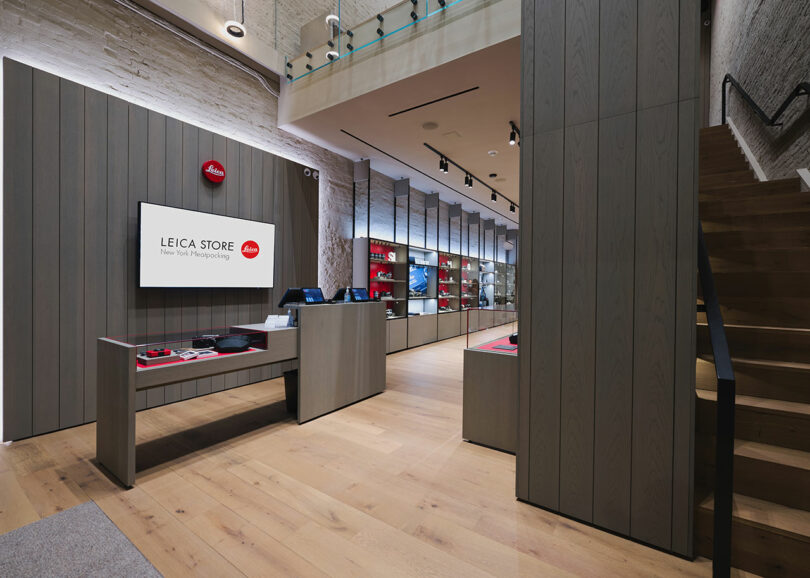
(758, 238)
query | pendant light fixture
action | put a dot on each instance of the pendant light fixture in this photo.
(237, 29)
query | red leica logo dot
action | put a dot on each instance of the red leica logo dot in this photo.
(250, 249)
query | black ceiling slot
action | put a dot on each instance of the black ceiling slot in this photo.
(434, 101)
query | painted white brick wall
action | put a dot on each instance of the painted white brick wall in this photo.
(766, 47)
(105, 46)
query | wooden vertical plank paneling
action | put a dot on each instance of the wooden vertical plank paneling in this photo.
(526, 202)
(546, 324)
(617, 57)
(191, 181)
(245, 209)
(549, 66)
(17, 265)
(117, 177)
(71, 254)
(654, 324)
(45, 219)
(269, 303)
(232, 210)
(689, 50)
(581, 61)
(613, 414)
(578, 320)
(173, 315)
(685, 327)
(95, 241)
(218, 207)
(657, 52)
(156, 193)
(205, 203)
(257, 296)
(137, 183)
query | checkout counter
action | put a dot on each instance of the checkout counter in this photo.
(340, 353)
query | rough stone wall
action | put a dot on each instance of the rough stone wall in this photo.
(103, 45)
(765, 45)
(278, 22)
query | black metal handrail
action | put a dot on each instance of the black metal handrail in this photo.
(724, 440)
(802, 89)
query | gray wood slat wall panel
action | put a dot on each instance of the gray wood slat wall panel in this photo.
(137, 192)
(654, 320)
(191, 180)
(80, 163)
(156, 193)
(657, 52)
(245, 189)
(45, 290)
(581, 61)
(219, 207)
(546, 326)
(173, 314)
(614, 322)
(579, 320)
(635, 417)
(17, 240)
(232, 210)
(526, 201)
(95, 240)
(205, 203)
(71, 253)
(617, 60)
(685, 326)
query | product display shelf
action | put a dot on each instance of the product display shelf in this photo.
(511, 286)
(449, 285)
(382, 268)
(423, 276)
(487, 283)
(469, 283)
(499, 289)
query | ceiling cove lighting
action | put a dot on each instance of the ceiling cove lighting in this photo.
(494, 197)
(237, 29)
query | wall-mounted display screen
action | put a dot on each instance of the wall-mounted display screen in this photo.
(418, 279)
(182, 248)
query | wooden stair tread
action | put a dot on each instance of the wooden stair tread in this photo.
(787, 520)
(760, 403)
(803, 367)
(774, 454)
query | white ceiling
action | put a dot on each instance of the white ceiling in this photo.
(469, 126)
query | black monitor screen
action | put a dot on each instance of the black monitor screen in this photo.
(360, 294)
(313, 295)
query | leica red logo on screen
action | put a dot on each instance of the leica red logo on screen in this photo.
(213, 171)
(250, 249)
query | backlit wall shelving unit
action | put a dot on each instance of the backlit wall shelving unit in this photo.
(427, 281)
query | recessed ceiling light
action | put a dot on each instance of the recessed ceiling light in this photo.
(430, 125)
(492, 153)
(493, 175)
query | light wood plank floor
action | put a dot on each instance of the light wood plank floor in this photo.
(228, 484)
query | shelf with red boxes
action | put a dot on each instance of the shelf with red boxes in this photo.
(449, 282)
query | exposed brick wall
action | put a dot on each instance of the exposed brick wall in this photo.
(764, 44)
(100, 44)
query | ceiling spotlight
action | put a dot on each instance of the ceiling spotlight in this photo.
(442, 3)
(332, 54)
(511, 207)
(513, 133)
(494, 197)
(234, 28)
(467, 180)
(443, 165)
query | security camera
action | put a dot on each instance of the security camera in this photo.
(307, 172)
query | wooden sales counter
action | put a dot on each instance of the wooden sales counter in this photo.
(340, 350)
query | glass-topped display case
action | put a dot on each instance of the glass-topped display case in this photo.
(184, 346)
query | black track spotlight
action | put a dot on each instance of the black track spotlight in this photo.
(442, 3)
(512, 138)
(380, 32)
(443, 165)
(350, 46)
(414, 16)
(467, 179)
(350, 34)
(494, 197)
(511, 207)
